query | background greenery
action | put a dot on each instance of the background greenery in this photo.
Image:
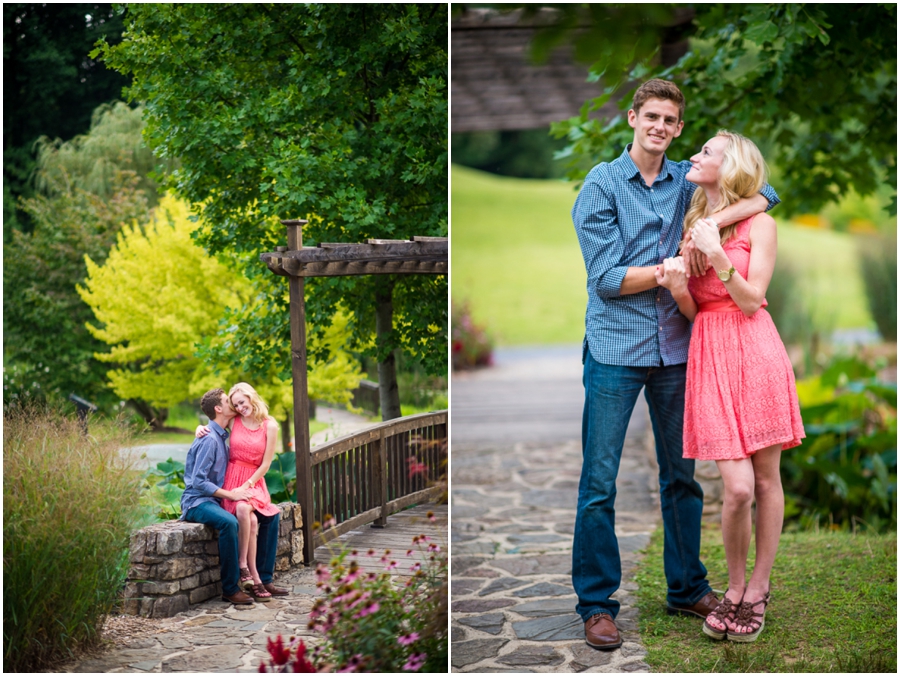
(517, 263)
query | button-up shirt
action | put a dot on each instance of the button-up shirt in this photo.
(622, 222)
(204, 469)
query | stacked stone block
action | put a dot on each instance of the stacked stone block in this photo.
(176, 564)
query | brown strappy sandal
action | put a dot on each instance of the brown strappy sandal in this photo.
(723, 612)
(260, 593)
(748, 617)
(246, 579)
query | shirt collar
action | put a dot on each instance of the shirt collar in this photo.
(631, 170)
(215, 427)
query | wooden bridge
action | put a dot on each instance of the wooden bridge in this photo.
(363, 477)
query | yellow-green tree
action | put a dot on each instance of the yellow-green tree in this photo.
(159, 295)
(156, 295)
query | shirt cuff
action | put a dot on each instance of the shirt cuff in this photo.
(769, 193)
(610, 284)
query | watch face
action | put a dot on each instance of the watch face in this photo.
(725, 275)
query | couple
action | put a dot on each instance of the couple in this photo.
(246, 519)
(725, 393)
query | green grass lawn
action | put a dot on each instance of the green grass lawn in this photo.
(516, 261)
(833, 609)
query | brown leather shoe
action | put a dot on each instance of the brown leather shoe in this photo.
(276, 591)
(702, 608)
(600, 632)
(239, 599)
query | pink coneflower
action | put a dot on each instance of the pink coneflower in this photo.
(434, 548)
(415, 662)
(368, 610)
(391, 565)
(415, 567)
(409, 639)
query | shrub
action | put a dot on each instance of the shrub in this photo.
(878, 260)
(377, 624)
(471, 344)
(845, 471)
(70, 501)
(786, 305)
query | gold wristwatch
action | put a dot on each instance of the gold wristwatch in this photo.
(725, 275)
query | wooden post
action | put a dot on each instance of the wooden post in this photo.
(380, 480)
(301, 394)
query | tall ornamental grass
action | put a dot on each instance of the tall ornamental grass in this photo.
(70, 501)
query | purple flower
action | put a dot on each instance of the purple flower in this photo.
(408, 640)
(368, 610)
(415, 662)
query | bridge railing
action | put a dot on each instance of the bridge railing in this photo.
(364, 477)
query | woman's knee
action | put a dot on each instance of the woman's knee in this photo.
(739, 494)
(254, 523)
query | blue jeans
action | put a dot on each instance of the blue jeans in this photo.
(212, 515)
(610, 396)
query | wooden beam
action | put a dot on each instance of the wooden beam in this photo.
(301, 396)
(335, 262)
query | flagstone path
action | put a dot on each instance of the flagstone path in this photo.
(218, 636)
(515, 466)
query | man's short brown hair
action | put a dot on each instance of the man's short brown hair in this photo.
(658, 89)
(209, 402)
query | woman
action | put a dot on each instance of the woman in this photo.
(741, 407)
(254, 434)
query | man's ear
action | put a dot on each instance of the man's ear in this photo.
(678, 129)
(632, 118)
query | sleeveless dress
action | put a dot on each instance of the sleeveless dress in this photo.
(246, 455)
(740, 393)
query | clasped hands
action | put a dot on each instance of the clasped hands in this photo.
(700, 241)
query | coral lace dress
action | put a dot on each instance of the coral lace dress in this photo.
(247, 450)
(740, 394)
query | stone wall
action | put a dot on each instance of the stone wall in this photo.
(176, 564)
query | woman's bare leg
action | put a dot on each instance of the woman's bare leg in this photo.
(769, 521)
(736, 525)
(251, 548)
(243, 512)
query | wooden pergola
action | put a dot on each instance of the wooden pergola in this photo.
(417, 256)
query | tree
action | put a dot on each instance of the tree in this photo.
(43, 317)
(332, 112)
(90, 161)
(50, 86)
(158, 296)
(814, 85)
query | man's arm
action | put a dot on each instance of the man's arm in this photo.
(744, 208)
(200, 478)
(597, 225)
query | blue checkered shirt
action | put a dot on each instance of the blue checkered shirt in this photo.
(622, 222)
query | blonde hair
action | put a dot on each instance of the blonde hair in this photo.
(259, 410)
(742, 174)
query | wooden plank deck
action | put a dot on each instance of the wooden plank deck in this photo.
(396, 537)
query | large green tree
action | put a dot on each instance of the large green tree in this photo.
(88, 186)
(50, 85)
(815, 85)
(332, 112)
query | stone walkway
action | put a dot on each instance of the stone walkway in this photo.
(516, 462)
(218, 636)
(515, 467)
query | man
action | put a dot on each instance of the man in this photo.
(628, 217)
(204, 475)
